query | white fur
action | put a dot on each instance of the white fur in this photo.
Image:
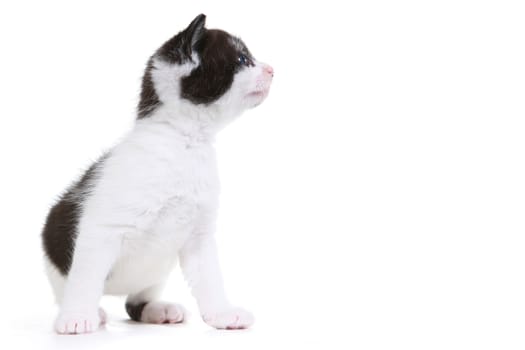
(154, 201)
(160, 312)
(56, 280)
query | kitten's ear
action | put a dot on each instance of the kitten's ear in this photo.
(180, 47)
(195, 30)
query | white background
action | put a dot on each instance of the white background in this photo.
(374, 201)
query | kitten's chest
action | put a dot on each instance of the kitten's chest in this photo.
(192, 176)
(187, 188)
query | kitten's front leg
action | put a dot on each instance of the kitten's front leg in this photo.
(95, 252)
(201, 269)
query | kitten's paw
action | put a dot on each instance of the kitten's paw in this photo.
(160, 312)
(233, 318)
(77, 322)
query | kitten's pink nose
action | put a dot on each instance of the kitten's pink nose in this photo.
(268, 69)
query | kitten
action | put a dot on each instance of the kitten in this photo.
(152, 200)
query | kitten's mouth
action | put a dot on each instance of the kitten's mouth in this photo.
(258, 93)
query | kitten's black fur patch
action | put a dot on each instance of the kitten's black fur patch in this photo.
(135, 310)
(149, 100)
(60, 229)
(218, 54)
(219, 61)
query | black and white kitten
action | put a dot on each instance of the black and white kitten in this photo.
(152, 200)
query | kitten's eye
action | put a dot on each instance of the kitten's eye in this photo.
(243, 60)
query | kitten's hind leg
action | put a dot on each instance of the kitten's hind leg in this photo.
(145, 307)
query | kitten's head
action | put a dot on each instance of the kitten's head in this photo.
(203, 71)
